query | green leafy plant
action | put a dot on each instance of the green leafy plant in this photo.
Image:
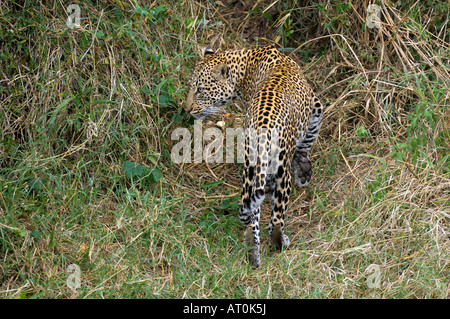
(135, 170)
(423, 121)
(362, 132)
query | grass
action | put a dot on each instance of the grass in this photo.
(86, 177)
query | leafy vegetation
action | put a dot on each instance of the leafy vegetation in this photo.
(86, 177)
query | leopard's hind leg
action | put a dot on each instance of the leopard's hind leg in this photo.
(280, 201)
(253, 194)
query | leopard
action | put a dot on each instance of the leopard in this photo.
(282, 119)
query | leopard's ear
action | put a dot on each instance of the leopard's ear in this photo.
(220, 72)
(207, 51)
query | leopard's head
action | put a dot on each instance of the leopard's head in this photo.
(210, 86)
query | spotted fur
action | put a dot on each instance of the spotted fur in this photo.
(282, 121)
